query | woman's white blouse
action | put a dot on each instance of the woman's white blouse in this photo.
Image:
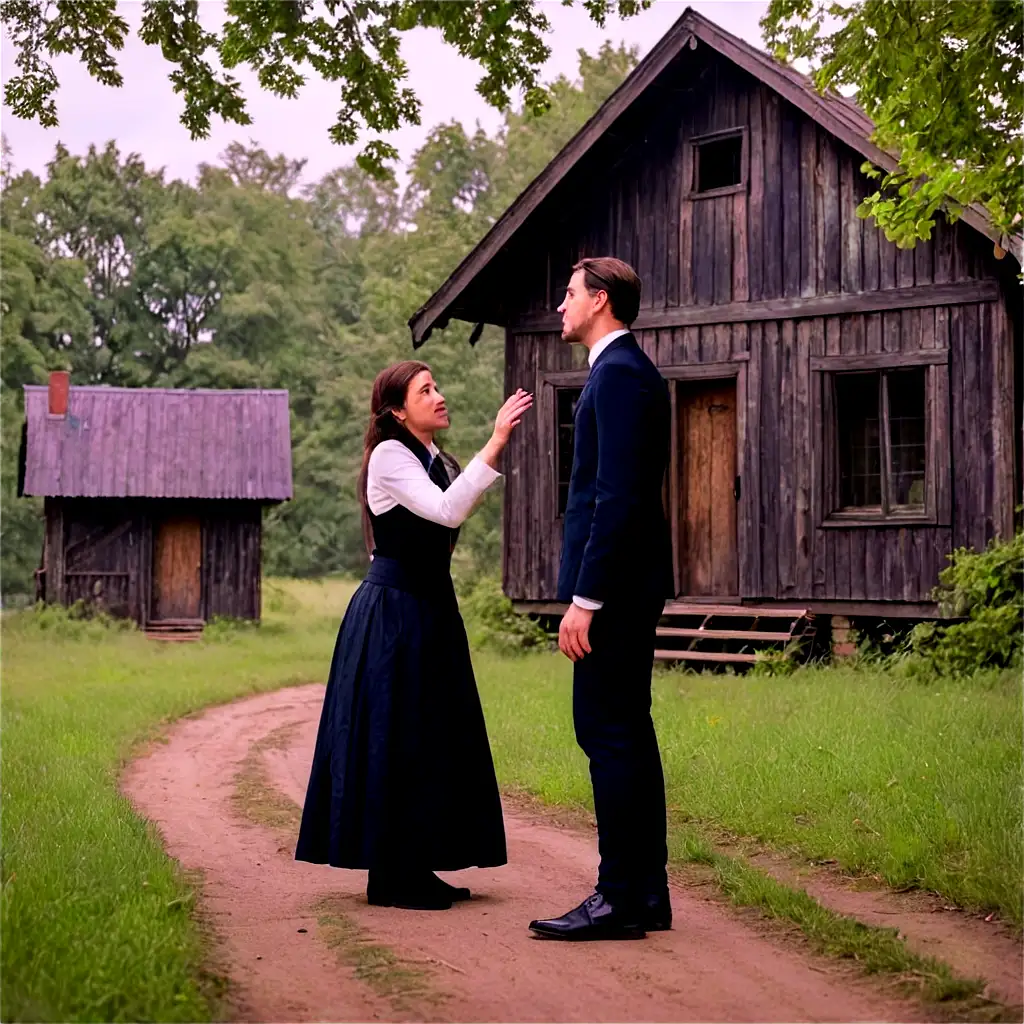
(395, 476)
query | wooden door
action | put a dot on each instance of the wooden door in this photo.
(177, 569)
(708, 564)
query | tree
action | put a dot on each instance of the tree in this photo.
(942, 82)
(42, 303)
(356, 43)
(251, 165)
(247, 279)
(528, 141)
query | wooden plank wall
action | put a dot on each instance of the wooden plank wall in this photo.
(106, 554)
(533, 531)
(103, 548)
(232, 532)
(793, 233)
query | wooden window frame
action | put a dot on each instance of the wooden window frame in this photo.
(938, 464)
(549, 383)
(690, 163)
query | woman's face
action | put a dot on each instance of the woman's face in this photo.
(424, 411)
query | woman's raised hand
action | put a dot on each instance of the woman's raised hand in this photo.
(510, 414)
(507, 420)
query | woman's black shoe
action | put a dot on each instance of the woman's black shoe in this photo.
(455, 893)
(406, 892)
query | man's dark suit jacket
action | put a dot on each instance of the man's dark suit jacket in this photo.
(616, 543)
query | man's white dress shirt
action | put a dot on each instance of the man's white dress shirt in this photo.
(595, 350)
(395, 476)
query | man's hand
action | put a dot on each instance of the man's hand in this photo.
(574, 632)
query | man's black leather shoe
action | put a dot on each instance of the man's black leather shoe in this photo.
(595, 918)
(657, 913)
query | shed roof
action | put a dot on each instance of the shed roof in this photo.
(836, 114)
(159, 443)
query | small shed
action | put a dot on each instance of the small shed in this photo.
(845, 412)
(154, 497)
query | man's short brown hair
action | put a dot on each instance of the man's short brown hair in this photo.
(618, 279)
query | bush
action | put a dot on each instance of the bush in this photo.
(776, 662)
(491, 621)
(222, 628)
(80, 621)
(987, 589)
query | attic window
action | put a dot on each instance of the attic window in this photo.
(719, 163)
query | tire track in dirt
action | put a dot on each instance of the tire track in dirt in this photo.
(479, 960)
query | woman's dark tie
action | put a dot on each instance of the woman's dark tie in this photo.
(438, 474)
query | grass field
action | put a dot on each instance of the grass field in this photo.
(94, 916)
(919, 783)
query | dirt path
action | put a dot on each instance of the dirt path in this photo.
(476, 962)
(974, 946)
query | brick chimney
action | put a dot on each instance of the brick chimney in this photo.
(60, 382)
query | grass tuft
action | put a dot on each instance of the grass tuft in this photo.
(254, 797)
(400, 981)
(876, 950)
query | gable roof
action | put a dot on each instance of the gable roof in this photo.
(158, 443)
(836, 114)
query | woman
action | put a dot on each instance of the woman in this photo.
(402, 780)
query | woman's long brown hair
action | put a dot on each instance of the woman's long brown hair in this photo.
(389, 393)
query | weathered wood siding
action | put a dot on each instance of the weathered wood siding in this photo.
(793, 235)
(101, 555)
(231, 559)
(101, 551)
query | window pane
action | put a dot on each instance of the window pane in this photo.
(565, 411)
(719, 163)
(860, 458)
(906, 433)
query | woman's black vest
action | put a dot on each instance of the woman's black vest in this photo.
(421, 548)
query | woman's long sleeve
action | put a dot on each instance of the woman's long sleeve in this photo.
(397, 477)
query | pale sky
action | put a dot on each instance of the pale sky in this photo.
(143, 115)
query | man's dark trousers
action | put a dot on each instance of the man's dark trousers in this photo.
(612, 716)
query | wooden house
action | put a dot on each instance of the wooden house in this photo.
(154, 498)
(846, 413)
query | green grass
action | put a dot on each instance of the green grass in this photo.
(95, 917)
(255, 797)
(920, 784)
(404, 984)
(876, 950)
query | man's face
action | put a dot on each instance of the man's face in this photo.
(578, 309)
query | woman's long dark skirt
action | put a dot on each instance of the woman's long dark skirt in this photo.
(402, 773)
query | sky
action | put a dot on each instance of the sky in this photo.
(143, 115)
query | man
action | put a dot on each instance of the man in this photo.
(616, 572)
